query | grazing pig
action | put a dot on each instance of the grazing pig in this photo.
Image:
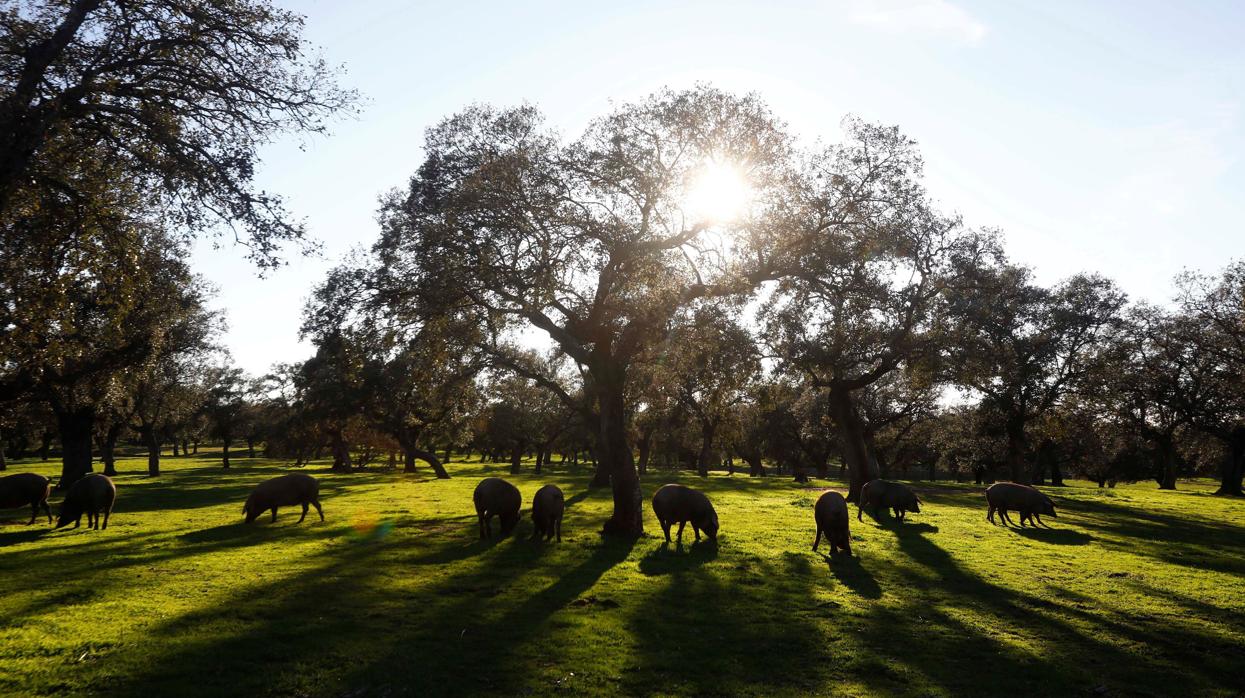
(1031, 503)
(890, 495)
(91, 495)
(676, 503)
(547, 508)
(496, 497)
(830, 513)
(26, 489)
(283, 491)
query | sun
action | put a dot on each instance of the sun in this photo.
(719, 192)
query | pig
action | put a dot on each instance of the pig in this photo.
(676, 503)
(283, 491)
(830, 513)
(1031, 503)
(890, 495)
(496, 497)
(547, 508)
(25, 489)
(93, 494)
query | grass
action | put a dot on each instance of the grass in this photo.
(1132, 592)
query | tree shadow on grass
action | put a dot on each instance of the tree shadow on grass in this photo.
(717, 631)
(1055, 536)
(340, 625)
(849, 572)
(967, 636)
(24, 534)
(668, 559)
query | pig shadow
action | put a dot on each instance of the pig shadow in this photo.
(853, 575)
(663, 560)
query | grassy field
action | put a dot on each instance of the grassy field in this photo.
(1133, 592)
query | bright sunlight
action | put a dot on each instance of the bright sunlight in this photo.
(719, 193)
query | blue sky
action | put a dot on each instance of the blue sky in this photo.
(1097, 136)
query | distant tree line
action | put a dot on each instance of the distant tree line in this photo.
(530, 295)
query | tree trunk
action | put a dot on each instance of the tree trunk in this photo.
(1016, 450)
(646, 449)
(108, 448)
(46, 444)
(1165, 455)
(3, 465)
(615, 455)
(196, 445)
(707, 430)
(152, 442)
(76, 428)
(860, 468)
(755, 467)
(175, 453)
(933, 470)
(341, 452)
(225, 452)
(250, 447)
(411, 454)
(600, 470)
(540, 459)
(516, 459)
(1233, 465)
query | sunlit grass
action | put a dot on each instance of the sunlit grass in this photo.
(1133, 592)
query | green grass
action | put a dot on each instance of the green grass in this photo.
(1133, 592)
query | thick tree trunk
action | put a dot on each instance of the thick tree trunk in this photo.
(185, 447)
(1016, 450)
(226, 443)
(615, 454)
(250, 447)
(707, 430)
(175, 453)
(108, 448)
(76, 427)
(341, 452)
(196, 447)
(540, 460)
(600, 470)
(3, 465)
(1165, 456)
(755, 466)
(516, 459)
(413, 454)
(45, 444)
(1233, 465)
(152, 442)
(860, 467)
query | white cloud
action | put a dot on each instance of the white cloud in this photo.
(920, 17)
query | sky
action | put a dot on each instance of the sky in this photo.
(1097, 136)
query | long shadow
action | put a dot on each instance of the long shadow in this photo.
(849, 572)
(743, 629)
(476, 637)
(25, 534)
(669, 558)
(1059, 638)
(1055, 536)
